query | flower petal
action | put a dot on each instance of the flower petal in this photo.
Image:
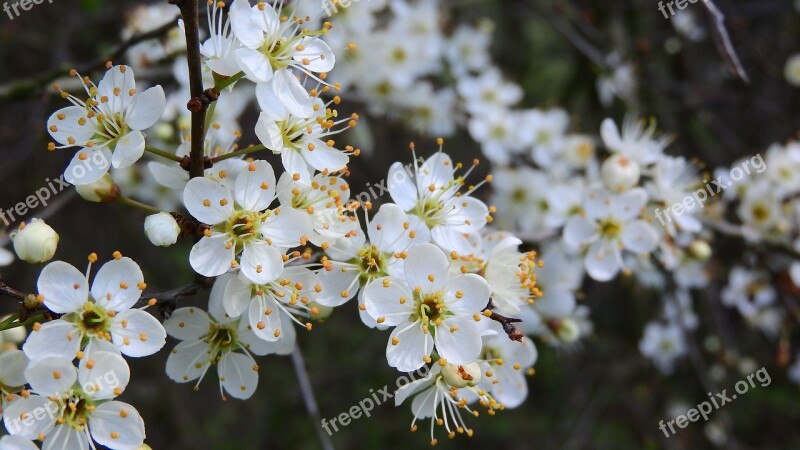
(103, 375)
(118, 284)
(255, 187)
(128, 150)
(137, 333)
(458, 340)
(88, 166)
(389, 300)
(58, 338)
(117, 425)
(412, 346)
(238, 375)
(63, 287)
(147, 108)
(51, 376)
(208, 201)
(211, 256)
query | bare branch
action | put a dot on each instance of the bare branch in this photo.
(723, 42)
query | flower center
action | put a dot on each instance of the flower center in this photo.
(371, 263)
(93, 320)
(429, 308)
(610, 228)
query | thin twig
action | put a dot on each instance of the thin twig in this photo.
(171, 296)
(308, 397)
(723, 41)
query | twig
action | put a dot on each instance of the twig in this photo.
(308, 397)
(199, 100)
(573, 36)
(168, 298)
(507, 322)
(723, 41)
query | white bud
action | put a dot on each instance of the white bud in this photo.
(162, 229)
(700, 250)
(792, 70)
(13, 336)
(568, 330)
(101, 191)
(35, 242)
(619, 173)
(463, 375)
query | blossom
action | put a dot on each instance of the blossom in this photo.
(12, 376)
(96, 319)
(663, 344)
(610, 225)
(428, 306)
(271, 48)
(162, 229)
(432, 196)
(636, 142)
(80, 405)
(505, 363)
(243, 233)
(35, 242)
(303, 141)
(220, 48)
(215, 338)
(107, 126)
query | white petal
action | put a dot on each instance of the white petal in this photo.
(54, 339)
(128, 150)
(389, 298)
(69, 126)
(147, 108)
(19, 419)
(412, 346)
(169, 175)
(118, 284)
(639, 236)
(187, 324)
(319, 55)
(579, 231)
(265, 325)
(200, 192)
(57, 283)
(292, 95)
(237, 296)
(255, 187)
(324, 158)
(16, 443)
(458, 340)
(249, 25)
(600, 262)
(610, 134)
(254, 64)
(435, 171)
(65, 437)
(468, 215)
(115, 85)
(401, 187)
(451, 240)
(103, 375)
(336, 281)
(238, 375)
(188, 361)
(51, 376)
(88, 166)
(287, 228)
(12, 368)
(629, 204)
(272, 109)
(294, 163)
(137, 333)
(211, 257)
(261, 262)
(426, 266)
(117, 425)
(474, 292)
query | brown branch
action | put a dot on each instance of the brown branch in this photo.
(723, 42)
(167, 300)
(506, 322)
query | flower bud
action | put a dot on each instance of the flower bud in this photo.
(103, 190)
(700, 250)
(462, 376)
(619, 173)
(35, 242)
(162, 229)
(568, 330)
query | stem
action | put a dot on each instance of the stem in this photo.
(228, 81)
(5, 324)
(137, 204)
(162, 153)
(191, 20)
(210, 116)
(308, 397)
(31, 320)
(246, 151)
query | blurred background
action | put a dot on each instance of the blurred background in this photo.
(600, 393)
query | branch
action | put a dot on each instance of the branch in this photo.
(199, 100)
(723, 42)
(308, 397)
(507, 322)
(167, 300)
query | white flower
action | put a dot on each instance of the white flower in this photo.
(324, 199)
(488, 91)
(505, 363)
(620, 83)
(782, 166)
(35, 242)
(107, 126)
(162, 229)
(619, 173)
(500, 134)
(426, 306)
(610, 225)
(748, 291)
(352, 262)
(303, 141)
(98, 319)
(220, 47)
(468, 48)
(269, 305)
(6, 257)
(673, 180)
(664, 344)
(762, 212)
(243, 233)
(272, 47)
(636, 142)
(73, 407)
(215, 339)
(545, 130)
(432, 197)
(792, 70)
